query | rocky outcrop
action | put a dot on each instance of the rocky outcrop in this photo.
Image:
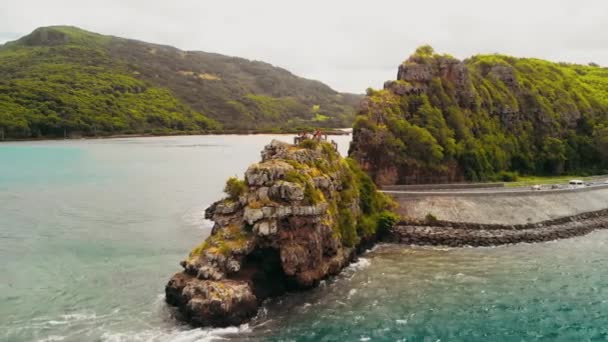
(443, 120)
(294, 220)
(419, 71)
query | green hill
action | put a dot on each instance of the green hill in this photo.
(484, 118)
(66, 81)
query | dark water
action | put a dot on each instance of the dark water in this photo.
(90, 231)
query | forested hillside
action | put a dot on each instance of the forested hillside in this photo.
(485, 118)
(66, 81)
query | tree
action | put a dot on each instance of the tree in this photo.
(554, 151)
(425, 50)
(431, 118)
(600, 140)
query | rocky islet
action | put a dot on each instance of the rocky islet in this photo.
(296, 218)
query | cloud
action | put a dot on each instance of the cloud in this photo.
(349, 45)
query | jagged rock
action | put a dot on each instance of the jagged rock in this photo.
(266, 174)
(208, 272)
(400, 87)
(251, 216)
(417, 72)
(323, 183)
(412, 71)
(262, 194)
(265, 227)
(226, 208)
(279, 235)
(286, 191)
(312, 210)
(209, 212)
(208, 302)
(505, 74)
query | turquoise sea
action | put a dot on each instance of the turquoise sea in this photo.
(91, 230)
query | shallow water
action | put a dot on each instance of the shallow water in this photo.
(554, 291)
(90, 231)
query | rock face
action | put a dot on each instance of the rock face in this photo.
(294, 220)
(415, 77)
(419, 72)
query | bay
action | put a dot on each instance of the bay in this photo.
(91, 230)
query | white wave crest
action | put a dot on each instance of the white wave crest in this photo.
(351, 293)
(52, 338)
(78, 316)
(190, 335)
(71, 318)
(360, 264)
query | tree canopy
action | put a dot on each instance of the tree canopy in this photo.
(485, 116)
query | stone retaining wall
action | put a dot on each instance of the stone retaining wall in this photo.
(456, 186)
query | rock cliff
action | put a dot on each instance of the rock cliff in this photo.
(296, 218)
(484, 118)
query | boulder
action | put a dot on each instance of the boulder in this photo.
(208, 302)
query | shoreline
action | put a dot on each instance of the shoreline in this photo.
(332, 132)
(463, 234)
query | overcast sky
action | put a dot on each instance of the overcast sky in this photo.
(347, 44)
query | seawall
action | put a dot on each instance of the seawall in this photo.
(507, 207)
(457, 234)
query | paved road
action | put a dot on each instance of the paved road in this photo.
(595, 183)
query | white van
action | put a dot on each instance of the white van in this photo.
(576, 183)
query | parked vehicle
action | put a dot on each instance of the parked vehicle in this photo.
(576, 183)
(536, 188)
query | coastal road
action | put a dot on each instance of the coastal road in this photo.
(548, 188)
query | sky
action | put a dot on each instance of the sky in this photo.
(348, 44)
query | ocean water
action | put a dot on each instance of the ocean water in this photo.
(91, 230)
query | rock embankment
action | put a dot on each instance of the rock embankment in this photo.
(295, 219)
(457, 234)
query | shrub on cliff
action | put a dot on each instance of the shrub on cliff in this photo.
(430, 218)
(506, 176)
(374, 206)
(235, 187)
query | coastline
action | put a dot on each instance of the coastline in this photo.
(332, 132)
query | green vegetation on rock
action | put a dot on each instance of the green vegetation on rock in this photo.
(234, 188)
(374, 215)
(489, 117)
(64, 81)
